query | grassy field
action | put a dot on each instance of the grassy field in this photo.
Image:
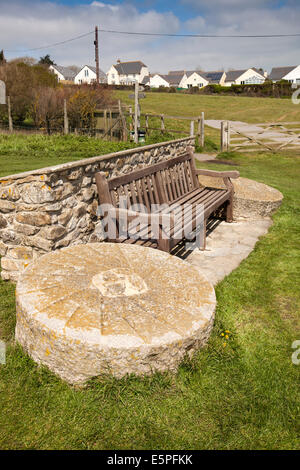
(242, 396)
(20, 153)
(236, 108)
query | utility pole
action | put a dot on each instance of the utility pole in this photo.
(136, 111)
(96, 43)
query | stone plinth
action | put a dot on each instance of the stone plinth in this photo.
(251, 199)
(106, 308)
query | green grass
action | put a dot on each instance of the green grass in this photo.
(237, 108)
(20, 153)
(242, 396)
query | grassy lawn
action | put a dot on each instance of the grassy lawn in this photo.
(20, 153)
(242, 396)
(236, 108)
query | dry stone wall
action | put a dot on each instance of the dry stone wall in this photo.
(54, 207)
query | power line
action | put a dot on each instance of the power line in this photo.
(201, 35)
(51, 45)
(136, 33)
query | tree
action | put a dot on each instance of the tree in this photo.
(48, 108)
(2, 58)
(21, 82)
(46, 60)
(24, 60)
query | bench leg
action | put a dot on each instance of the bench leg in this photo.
(163, 243)
(202, 236)
(229, 210)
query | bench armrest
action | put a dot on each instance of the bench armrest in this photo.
(218, 174)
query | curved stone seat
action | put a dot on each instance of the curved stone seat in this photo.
(109, 308)
(251, 199)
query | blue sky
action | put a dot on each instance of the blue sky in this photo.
(29, 24)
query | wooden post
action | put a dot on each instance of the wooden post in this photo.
(110, 125)
(147, 123)
(223, 136)
(192, 127)
(228, 136)
(162, 117)
(125, 136)
(105, 121)
(202, 141)
(136, 111)
(66, 120)
(10, 121)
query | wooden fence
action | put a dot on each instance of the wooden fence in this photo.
(272, 136)
(158, 122)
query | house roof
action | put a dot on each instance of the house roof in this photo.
(213, 77)
(277, 73)
(145, 79)
(172, 79)
(65, 71)
(232, 75)
(128, 68)
(176, 72)
(102, 75)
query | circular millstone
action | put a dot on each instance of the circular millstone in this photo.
(105, 308)
(251, 198)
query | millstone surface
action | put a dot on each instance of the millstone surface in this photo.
(105, 308)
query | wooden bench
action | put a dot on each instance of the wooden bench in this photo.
(174, 184)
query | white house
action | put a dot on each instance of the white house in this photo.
(243, 77)
(62, 73)
(127, 73)
(170, 80)
(194, 78)
(292, 74)
(88, 75)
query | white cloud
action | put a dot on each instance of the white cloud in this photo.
(28, 25)
(105, 5)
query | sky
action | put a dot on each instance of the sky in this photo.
(30, 24)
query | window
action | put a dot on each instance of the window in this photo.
(86, 73)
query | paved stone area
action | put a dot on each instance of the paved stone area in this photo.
(104, 308)
(227, 246)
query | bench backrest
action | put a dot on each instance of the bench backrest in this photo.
(161, 183)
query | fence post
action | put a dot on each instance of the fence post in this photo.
(136, 111)
(223, 136)
(66, 120)
(192, 131)
(162, 117)
(228, 135)
(202, 130)
(10, 121)
(147, 123)
(123, 119)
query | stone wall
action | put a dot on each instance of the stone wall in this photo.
(50, 208)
